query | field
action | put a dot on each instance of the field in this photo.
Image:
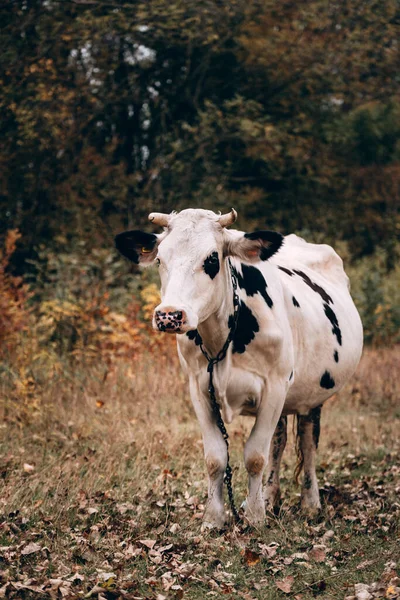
(104, 484)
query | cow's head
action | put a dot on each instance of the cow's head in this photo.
(190, 254)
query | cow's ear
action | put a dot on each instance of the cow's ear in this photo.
(138, 246)
(255, 246)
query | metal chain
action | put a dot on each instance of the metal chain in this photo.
(212, 361)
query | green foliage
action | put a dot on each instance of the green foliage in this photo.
(376, 292)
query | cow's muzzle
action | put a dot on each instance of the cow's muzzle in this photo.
(170, 320)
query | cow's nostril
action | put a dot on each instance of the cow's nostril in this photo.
(171, 319)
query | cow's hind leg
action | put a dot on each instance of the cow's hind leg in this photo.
(272, 492)
(308, 429)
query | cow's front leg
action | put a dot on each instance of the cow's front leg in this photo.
(256, 451)
(215, 454)
(272, 493)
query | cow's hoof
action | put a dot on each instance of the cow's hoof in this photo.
(272, 499)
(310, 506)
(255, 513)
(213, 521)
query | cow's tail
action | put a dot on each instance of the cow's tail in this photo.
(297, 427)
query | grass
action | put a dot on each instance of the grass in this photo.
(102, 471)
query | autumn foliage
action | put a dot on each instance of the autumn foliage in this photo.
(14, 297)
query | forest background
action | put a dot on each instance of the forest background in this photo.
(288, 111)
(110, 109)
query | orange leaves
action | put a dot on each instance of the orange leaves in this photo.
(14, 296)
(85, 312)
(251, 558)
(150, 296)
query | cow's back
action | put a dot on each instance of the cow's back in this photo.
(320, 258)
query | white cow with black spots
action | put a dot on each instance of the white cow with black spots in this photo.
(298, 339)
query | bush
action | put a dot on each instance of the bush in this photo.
(14, 297)
(376, 292)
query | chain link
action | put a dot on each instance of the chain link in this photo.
(212, 361)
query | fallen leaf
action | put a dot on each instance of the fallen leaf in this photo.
(148, 543)
(318, 553)
(28, 468)
(124, 507)
(268, 549)
(251, 558)
(31, 549)
(328, 535)
(96, 590)
(105, 577)
(92, 511)
(286, 584)
(362, 591)
(165, 548)
(300, 556)
(24, 586)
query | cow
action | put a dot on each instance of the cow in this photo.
(293, 340)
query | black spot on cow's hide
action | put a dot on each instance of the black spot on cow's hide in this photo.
(252, 281)
(307, 480)
(287, 271)
(194, 335)
(335, 324)
(211, 265)
(278, 437)
(336, 356)
(246, 328)
(327, 381)
(315, 415)
(314, 286)
(270, 242)
(295, 303)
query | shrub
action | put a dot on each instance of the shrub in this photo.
(14, 297)
(376, 291)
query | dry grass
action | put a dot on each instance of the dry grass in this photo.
(105, 461)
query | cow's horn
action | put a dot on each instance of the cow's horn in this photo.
(159, 219)
(228, 219)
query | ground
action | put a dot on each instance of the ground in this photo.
(104, 484)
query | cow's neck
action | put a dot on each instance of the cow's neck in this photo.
(215, 329)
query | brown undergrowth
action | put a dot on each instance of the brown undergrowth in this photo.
(104, 485)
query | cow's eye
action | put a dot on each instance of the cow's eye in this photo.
(211, 265)
(158, 262)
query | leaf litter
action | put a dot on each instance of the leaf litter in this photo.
(140, 539)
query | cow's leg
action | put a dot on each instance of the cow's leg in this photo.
(308, 429)
(257, 449)
(272, 492)
(215, 454)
